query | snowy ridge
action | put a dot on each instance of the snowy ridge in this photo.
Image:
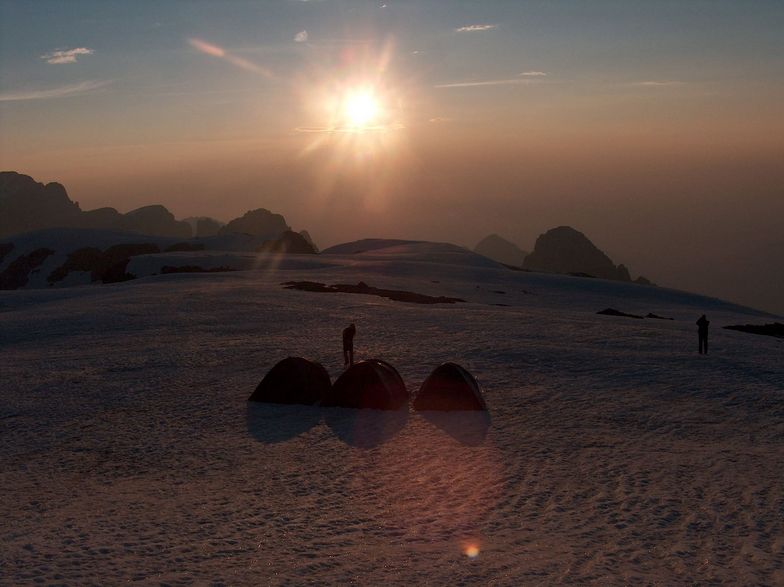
(613, 452)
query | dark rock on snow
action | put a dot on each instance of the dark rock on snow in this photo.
(655, 317)
(17, 274)
(5, 248)
(776, 329)
(107, 266)
(614, 312)
(364, 288)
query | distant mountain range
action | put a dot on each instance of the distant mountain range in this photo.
(48, 240)
(559, 250)
(27, 205)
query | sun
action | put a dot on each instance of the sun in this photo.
(361, 108)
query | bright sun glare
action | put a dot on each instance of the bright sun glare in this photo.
(360, 108)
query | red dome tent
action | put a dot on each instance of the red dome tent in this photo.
(293, 380)
(450, 387)
(369, 384)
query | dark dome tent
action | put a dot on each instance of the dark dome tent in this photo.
(293, 380)
(370, 384)
(450, 387)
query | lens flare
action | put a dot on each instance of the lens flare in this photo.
(471, 550)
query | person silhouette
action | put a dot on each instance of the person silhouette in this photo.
(702, 333)
(348, 344)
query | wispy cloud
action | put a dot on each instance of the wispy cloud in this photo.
(534, 73)
(301, 37)
(475, 28)
(349, 129)
(514, 81)
(65, 55)
(60, 92)
(659, 83)
(220, 52)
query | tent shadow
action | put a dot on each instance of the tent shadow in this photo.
(467, 427)
(272, 423)
(365, 428)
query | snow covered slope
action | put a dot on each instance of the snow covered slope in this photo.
(613, 452)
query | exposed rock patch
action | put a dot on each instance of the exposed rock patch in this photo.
(17, 274)
(614, 312)
(107, 266)
(776, 329)
(363, 288)
(655, 317)
(5, 248)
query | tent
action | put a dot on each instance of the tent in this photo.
(370, 384)
(293, 380)
(450, 387)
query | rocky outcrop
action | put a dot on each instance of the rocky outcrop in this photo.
(499, 249)
(306, 235)
(566, 250)
(5, 248)
(17, 274)
(100, 218)
(288, 242)
(259, 222)
(26, 204)
(154, 220)
(204, 226)
(107, 266)
(207, 227)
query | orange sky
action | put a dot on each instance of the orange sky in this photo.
(659, 132)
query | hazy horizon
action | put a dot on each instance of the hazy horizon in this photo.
(657, 130)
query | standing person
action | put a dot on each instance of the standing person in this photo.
(702, 333)
(348, 344)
